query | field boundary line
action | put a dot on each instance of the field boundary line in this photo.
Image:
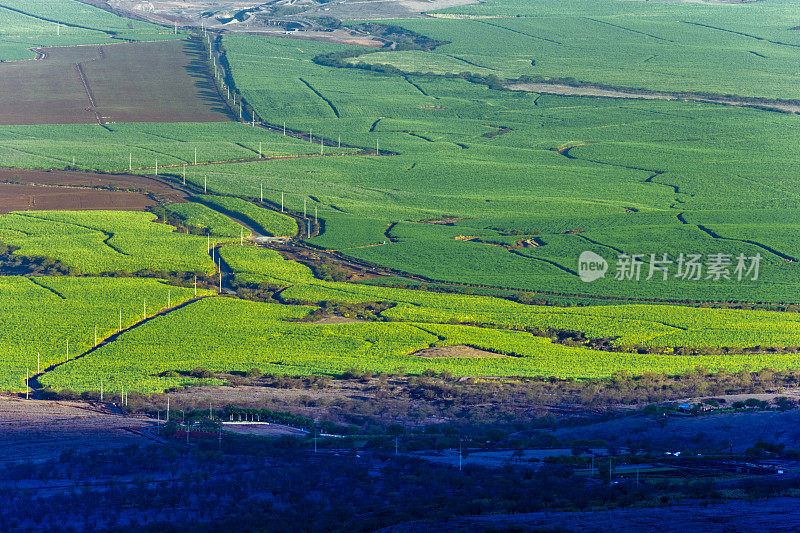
(333, 107)
(32, 280)
(54, 21)
(109, 235)
(34, 383)
(629, 29)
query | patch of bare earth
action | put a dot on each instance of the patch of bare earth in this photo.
(458, 351)
(333, 319)
(23, 190)
(262, 429)
(39, 429)
(103, 84)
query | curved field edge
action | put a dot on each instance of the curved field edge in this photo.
(666, 327)
(226, 335)
(50, 320)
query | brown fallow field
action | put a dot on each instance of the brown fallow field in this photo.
(125, 82)
(23, 190)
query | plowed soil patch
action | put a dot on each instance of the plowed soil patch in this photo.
(37, 197)
(48, 190)
(126, 82)
(455, 351)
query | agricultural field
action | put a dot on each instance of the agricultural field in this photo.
(86, 190)
(24, 197)
(256, 265)
(443, 177)
(46, 23)
(120, 147)
(226, 334)
(609, 176)
(201, 217)
(46, 314)
(555, 243)
(94, 85)
(669, 46)
(93, 242)
(266, 221)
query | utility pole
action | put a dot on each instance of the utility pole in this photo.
(259, 150)
(281, 202)
(130, 161)
(167, 419)
(195, 285)
(184, 173)
(67, 349)
(205, 183)
(195, 156)
(156, 167)
(120, 321)
(262, 192)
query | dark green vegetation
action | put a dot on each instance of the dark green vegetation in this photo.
(525, 182)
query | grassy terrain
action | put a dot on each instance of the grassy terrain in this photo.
(651, 325)
(118, 146)
(91, 242)
(202, 217)
(226, 334)
(44, 314)
(642, 177)
(256, 265)
(268, 222)
(676, 46)
(34, 24)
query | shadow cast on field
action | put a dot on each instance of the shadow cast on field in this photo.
(199, 70)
